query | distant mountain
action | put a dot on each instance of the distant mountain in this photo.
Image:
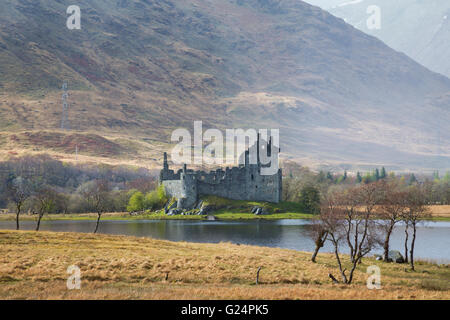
(421, 29)
(140, 68)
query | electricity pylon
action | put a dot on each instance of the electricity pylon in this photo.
(65, 95)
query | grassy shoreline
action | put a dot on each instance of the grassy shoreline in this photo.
(225, 216)
(222, 209)
(33, 265)
(156, 216)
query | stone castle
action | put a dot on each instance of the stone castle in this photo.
(244, 182)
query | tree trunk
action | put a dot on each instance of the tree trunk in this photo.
(336, 253)
(17, 218)
(386, 244)
(413, 241)
(350, 276)
(316, 251)
(320, 242)
(406, 242)
(257, 275)
(98, 222)
(39, 222)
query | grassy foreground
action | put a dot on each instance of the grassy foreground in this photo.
(34, 266)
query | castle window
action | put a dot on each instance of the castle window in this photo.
(253, 177)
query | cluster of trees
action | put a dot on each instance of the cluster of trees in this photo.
(40, 198)
(153, 200)
(67, 178)
(363, 217)
(41, 185)
(302, 185)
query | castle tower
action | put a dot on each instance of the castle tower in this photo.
(258, 141)
(166, 164)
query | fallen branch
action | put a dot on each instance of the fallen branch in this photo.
(257, 275)
(333, 278)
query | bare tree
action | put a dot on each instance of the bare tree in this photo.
(63, 202)
(319, 229)
(46, 199)
(392, 210)
(319, 234)
(19, 190)
(344, 221)
(406, 221)
(417, 210)
(96, 194)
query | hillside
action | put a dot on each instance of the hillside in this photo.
(139, 69)
(420, 29)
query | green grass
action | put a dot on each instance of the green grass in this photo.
(250, 216)
(438, 219)
(244, 206)
(224, 209)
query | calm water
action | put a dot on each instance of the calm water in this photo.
(433, 240)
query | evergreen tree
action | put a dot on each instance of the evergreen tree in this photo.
(358, 177)
(330, 176)
(412, 179)
(383, 173)
(436, 176)
(377, 174)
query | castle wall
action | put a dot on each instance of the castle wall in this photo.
(243, 183)
(239, 183)
(174, 188)
(229, 184)
(184, 190)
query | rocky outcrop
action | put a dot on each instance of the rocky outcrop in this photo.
(260, 211)
(396, 256)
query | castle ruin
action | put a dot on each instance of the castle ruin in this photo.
(244, 182)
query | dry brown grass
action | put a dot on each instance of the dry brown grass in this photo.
(33, 266)
(60, 145)
(440, 211)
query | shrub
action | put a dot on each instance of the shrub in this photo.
(121, 199)
(136, 202)
(156, 199)
(310, 199)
